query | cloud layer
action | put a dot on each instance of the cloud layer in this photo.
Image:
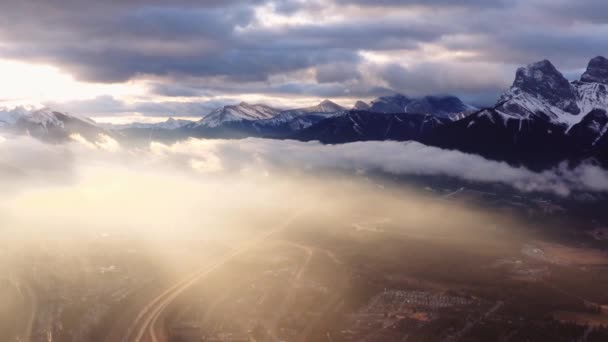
(26, 159)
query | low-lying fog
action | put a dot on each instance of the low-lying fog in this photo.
(70, 213)
(209, 187)
(235, 189)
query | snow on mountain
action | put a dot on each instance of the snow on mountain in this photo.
(9, 117)
(44, 118)
(591, 128)
(300, 118)
(169, 124)
(326, 106)
(591, 96)
(540, 90)
(234, 113)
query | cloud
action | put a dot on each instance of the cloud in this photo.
(111, 106)
(431, 3)
(410, 158)
(193, 48)
(30, 162)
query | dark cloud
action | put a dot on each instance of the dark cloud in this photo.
(591, 11)
(226, 47)
(431, 3)
(483, 84)
(337, 73)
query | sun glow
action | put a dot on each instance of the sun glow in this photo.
(27, 84)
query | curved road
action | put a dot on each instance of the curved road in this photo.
(28, 296)
(144, 327)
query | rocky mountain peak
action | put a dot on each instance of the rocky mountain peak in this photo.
(597, 71)
(329, 106)
(544, 81)
(390, 104)
(360, 105)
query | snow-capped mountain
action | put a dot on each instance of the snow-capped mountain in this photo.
(540, 90)
(9, 117)
(541, 120)
(300, 118)
(235, 113)
(326, 106)
(441, 106)
(47, 124)
(170, 124)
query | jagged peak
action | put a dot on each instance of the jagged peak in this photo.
(329, 106)
(597, 70)
(543, 81)
(361, 105)
(540, 71)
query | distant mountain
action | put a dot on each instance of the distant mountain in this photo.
(300, 118)
(235, 113)
(441, 106)
(390, 104)
(360, 105)
(364, 125)
(326, 106)
(541, 120)
(47, 124)
(170, 123)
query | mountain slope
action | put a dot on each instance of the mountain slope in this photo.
(441, 106)
(540, 90)
(47, 124)
(518, 140)
(363, 126)
(234, 113)
(297, 119)
(170, 123)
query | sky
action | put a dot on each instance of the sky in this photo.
(153, 58)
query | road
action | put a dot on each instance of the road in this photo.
(291, 291)
(471, 324)
(28, 296)
(145, 326)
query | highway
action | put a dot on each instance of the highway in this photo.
(30, 307)
(145, 326)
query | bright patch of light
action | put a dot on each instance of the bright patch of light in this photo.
(24, 83)
(127, 119)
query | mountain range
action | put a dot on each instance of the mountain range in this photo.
(541, 120)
